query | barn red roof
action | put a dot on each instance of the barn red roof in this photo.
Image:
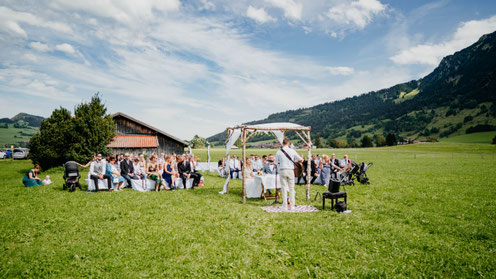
(133, 141)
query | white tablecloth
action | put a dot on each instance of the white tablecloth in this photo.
(268, 180)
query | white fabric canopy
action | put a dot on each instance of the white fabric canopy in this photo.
(275, 128)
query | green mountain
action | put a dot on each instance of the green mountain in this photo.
(459, 95)
(30, 120)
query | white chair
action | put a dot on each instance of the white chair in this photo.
(137, 185)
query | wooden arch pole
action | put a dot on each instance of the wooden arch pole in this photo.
(243, 140)
(309, 168)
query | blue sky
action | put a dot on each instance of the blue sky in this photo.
(198, 66)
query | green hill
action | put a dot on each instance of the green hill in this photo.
(459, 94)
(19, 129)
(31, 120)
(482, 137)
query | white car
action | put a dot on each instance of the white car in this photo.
(2, 155)
(20, 154)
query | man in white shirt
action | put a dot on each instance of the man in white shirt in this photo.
(98, 172)
(286, 173)
(235, 167)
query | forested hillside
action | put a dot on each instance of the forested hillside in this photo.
(456, 98)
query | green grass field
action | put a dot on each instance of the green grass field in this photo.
(429, 212)
(483, 137)
(12, 136)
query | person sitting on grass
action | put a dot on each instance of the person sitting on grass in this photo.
(31, 179)
(97, 172)
(152, 171)
(114, 172)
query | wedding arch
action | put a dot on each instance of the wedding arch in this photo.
(277, 130)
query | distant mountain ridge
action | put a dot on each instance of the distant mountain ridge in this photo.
(31, 120)
(458, 94)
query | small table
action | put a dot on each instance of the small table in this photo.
(268, 181)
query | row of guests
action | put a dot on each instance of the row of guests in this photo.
(320, 165)
(161, 169)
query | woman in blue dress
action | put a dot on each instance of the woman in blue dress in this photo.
(325, 174)
(31, 179)
(168, 174)
(113, 171)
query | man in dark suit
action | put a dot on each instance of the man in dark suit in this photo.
(334, 166)
(184, 169)
(127, 169)
(313, 172)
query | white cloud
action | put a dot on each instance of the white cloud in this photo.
(207, 5)
(259, 15)
(11, 19)
(67, 48)
(121, 10)
(357, 13)
(292, 9)
(431, 54)
(345, 71)
(39, 46)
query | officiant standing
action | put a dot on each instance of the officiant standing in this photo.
(286, 158)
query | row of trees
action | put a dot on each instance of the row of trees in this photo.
(63, 137)
(366, 141)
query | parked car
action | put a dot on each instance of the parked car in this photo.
(7, 152)
(20, 154)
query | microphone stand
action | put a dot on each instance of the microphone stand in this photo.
(277, 173)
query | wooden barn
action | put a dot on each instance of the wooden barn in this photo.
(135, 137)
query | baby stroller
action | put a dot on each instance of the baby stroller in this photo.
(71, 176)
(361, 175)
(347, 178)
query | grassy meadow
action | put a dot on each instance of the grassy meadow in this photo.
(430, 211)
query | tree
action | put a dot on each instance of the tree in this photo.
(198, 142)
(366, 142)
(318, 142)
(52, 145)
(494, 140)
(391, 139)
(63, 138)
(380, 140)
(93, 129)
(333, 143)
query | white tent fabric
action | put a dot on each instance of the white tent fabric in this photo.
(274, 128)
(234, 137)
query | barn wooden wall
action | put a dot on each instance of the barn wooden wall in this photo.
(127, 127)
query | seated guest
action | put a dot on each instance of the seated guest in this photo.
(127, 169)
(112, 170)
(221, 167)
(325, 174)
(97, 172)
(270, 168)
(258, 164)
(31, 179)
(344, 167)
(235, 167)
(169, 174)
(313, 171)
(138, 172)
(152, 171)
(264, 160)
(184, 169)
(334, 166)
(194, 164)
(248, 169)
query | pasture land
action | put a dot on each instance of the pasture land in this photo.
(482, 137)
(429, 212)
